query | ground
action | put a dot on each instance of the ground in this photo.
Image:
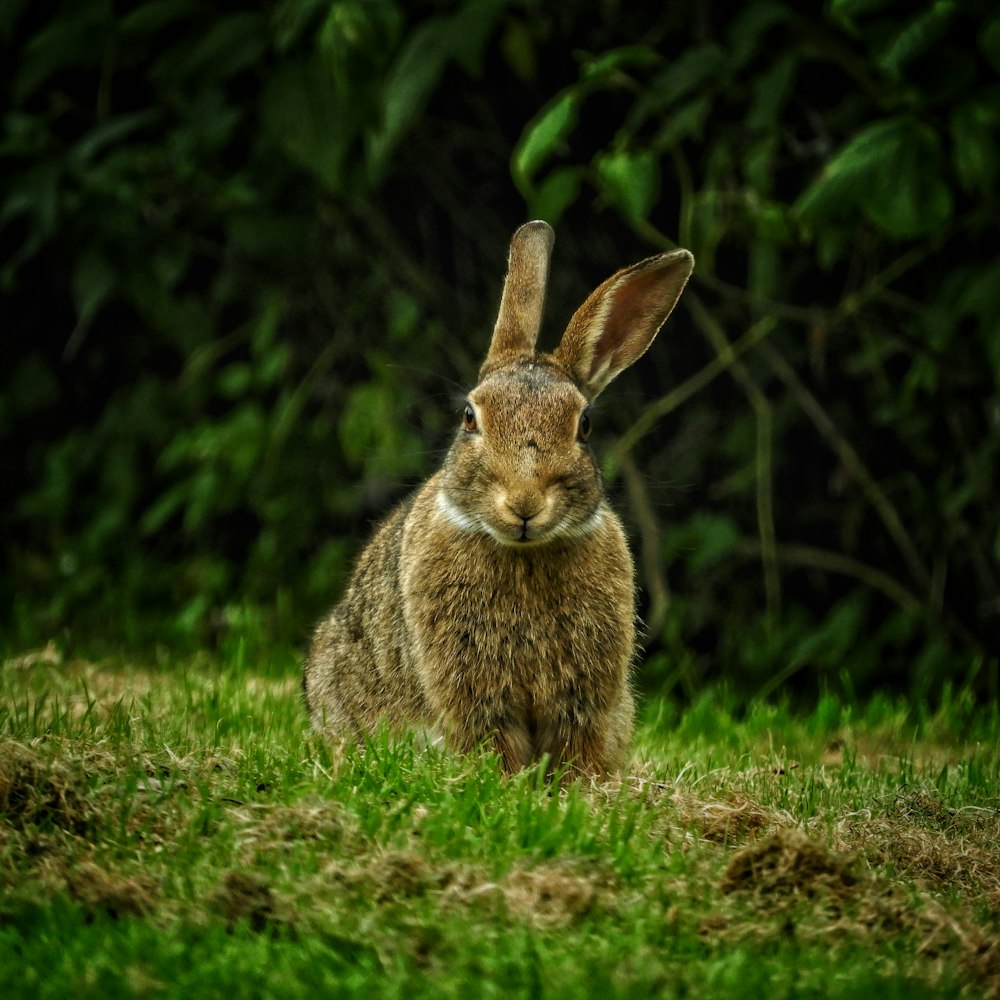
(174, 829)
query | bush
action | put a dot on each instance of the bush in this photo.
(247, 255)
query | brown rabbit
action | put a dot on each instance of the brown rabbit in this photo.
(497, 603)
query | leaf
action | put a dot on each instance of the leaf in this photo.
(150, 18)
(631, 181)
(921, 34)
(301, 111)
(543, 136)
(407, 88)
(10, 13)
(749, 29)
(772, 90)
(704, 541)
(556, 193)
(640, 56)
(845, 11)
(910, 197)
(836, 635)
(690, 73)
(418, 68)
(892, 173)
(234, 381)
(989, 42)
(470, 30)
(163, 508)
(685, 121)
(31, 387)
(94, 280)
(292, 19)
(973, 292)
(975, 136)
(34, 194)
(109, 134)
(68, 42)
(373, 433)
(520, 50)
(232, 44)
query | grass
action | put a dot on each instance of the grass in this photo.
(175, 830)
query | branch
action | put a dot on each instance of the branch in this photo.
(810, 557)
(659, 408)
(649, 553)
(763, 460)
(874, 493)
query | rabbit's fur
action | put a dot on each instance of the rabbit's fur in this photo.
(497, 605)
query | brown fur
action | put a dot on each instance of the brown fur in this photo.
(497, 603)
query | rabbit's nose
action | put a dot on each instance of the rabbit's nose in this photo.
(525, 506)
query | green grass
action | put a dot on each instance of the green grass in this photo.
(175, 830)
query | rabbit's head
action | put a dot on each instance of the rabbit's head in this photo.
(520, 469)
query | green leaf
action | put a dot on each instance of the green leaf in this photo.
(72, 41)
(373, 433)
(94, 280)
(544, 136)
(918, 36)
(470, 30)
(973, 293)
(231, 44)
(989, 42)
(556, 193)
(520, 50)
(293, 19)
(302, 112)
(234, 380)
(35, 194)
(975, 135)
(910, 197)
(892, 173)
(846, 11)
(31, 388)
(835, 636)
(418, 68)
(748, 32)
(109, 134)
(150, 18)
(357, 42)
(407, 88)
(639, 56)
(772, 90)
(10, 13)
(631, 181)
(162, 510)
(705, 541)
(692, 72)
(685, 121)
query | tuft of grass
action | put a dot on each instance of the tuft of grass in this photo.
(176, 830)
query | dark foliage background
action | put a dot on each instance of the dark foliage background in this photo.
(250, 254)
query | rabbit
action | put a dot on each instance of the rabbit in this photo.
(496, 605)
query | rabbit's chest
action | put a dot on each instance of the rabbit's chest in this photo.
(531, 626)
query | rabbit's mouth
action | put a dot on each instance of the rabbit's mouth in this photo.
(530, 534)
(505, 524)
(515, 530)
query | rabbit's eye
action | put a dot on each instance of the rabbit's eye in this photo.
(469, 419)
(583, 431)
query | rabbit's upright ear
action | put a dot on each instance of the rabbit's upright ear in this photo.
(618, 320)
(523, 298)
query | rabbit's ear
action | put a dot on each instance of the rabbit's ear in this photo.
(618, 321)
(523, 298)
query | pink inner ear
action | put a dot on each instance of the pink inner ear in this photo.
(638, 309)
